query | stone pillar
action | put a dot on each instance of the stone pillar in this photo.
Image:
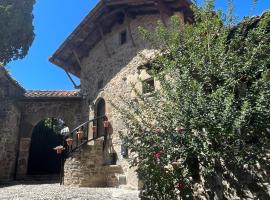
(23, 157)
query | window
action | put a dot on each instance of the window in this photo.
(100, 111)
(148, 86)
(123, 37)
(100, 84)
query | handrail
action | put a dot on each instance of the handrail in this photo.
(85, 127)
(83, 143)
(91, 120)
(80, 136)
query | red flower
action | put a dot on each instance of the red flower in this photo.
(180, 186)
(157, 155)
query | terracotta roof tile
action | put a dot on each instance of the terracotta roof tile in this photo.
(50, 94)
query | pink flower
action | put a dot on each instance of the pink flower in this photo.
(157, 155)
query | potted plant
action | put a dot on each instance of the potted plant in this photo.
(69, 141)
(94, 129)
(59, 149)
(80, 134)
(106, 124)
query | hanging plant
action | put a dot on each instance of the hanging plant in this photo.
(94, 129)
(80, 134)
(59, 149)
(69, 141)
(106, 124)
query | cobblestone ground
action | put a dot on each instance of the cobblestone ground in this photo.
(56, 192)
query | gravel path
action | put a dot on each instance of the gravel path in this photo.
(21, 191)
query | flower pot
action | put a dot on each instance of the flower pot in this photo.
(106, 124)
(69, 141)
(59, 149)
(80, 134)
(94, 129)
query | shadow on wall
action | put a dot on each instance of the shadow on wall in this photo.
(237, 182)
(114, 173)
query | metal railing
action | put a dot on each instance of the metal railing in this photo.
(74, 140)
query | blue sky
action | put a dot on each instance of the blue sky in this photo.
(54, 21)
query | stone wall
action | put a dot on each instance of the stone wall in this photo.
(110, 77)
(33, 111)
(18, 117)
(9, 124)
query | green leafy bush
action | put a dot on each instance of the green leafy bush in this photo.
(16, 29)
(213, 107)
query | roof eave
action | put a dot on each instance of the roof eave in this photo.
(90, 18)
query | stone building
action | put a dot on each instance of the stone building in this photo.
(106, 51)
(20, 111)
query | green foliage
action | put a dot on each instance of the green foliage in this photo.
(55, 125)
(213, 106)
(16, 29)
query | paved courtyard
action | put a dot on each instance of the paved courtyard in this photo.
(31, 191)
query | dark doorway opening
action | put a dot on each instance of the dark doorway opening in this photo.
(43, 160)
(100, 111)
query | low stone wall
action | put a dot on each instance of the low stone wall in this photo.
(86, 168)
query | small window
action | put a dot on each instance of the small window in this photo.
(148, 86)
(123, 37)
(100, 84)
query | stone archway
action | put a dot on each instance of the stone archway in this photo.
(42, 158)
(37, 107)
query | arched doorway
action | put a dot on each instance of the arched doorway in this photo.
(42, 158)
(100, 111)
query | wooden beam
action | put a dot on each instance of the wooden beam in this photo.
(103, 39)
(110, 14)
(164, 10)
(77, 57)
(65, 66)
(120, 2)
(127, 22)
(73, 82)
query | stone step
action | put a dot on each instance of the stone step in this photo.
(42, 178)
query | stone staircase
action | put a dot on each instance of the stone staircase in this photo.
(87, 161)
(86, 168)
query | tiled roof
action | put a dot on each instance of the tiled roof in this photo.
(50, 94)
